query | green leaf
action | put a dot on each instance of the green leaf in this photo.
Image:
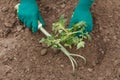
(89, 37)
(62, 16)
(60, 31)
(68, 45)
(75, 40)
(42, 40)
(54, 46)
(80, 44)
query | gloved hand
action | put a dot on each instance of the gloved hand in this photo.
(82, 13)
(29, 14)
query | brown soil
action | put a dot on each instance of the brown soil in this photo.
(20, 51)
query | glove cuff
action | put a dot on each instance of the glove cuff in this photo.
(27, 1)
(85, 4)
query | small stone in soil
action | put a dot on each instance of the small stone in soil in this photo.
(4, 9)
(62, 65)
(44, 45)
(19, 28)
(90, 69)
(43, 52)
(8, 25)
(116, 62)
(102, 51)
(115, 37)
(6, 32)
(63, 5)
(32, 39)
(12, 21)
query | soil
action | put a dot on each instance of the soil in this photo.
(20, 51)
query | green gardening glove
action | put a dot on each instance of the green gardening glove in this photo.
(29, 14)
(82, 13)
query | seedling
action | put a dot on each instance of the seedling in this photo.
(65, 36)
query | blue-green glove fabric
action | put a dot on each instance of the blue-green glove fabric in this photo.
(82, 13)
(29, 14)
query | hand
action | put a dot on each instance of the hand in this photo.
(29, 14)
(82, 13)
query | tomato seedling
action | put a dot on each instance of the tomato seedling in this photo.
(67, 37)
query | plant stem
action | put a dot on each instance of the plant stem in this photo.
(63, 29)
(73, 33)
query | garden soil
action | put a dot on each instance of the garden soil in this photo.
(23, 58)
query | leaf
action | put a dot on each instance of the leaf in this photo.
(75, 40)
(63, 38)
(89, 37)
(60, 31)
(68, 45)
(62, 16)
(54, 46)
(80, 44)
(79, 26)
(42, 40)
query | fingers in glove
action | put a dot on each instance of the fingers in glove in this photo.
(28, 23)
(21, 18)
(41, 19)
(35, 25)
